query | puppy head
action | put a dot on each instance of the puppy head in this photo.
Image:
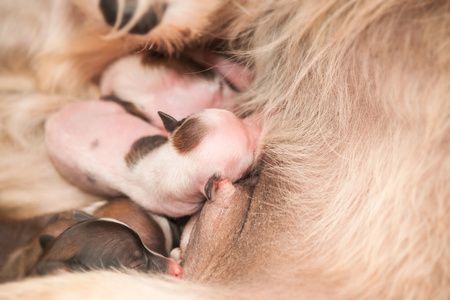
(100, 244)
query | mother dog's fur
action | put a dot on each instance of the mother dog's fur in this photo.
(353, 200)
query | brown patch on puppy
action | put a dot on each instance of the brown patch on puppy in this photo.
(142, 147)
(189, 135)
(94, 144)
(183, 65)
(128, 106)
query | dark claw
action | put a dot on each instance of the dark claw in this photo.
(209, 185)
(45, 240)
(109, 9)
(170, 123)
(148, 21)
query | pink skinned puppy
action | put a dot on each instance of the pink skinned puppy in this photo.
(102, 149)
(176, 87)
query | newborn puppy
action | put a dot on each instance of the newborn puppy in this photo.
(150, 84)
(100, 244)
(120, 147)
(102, 149)
(157, 234)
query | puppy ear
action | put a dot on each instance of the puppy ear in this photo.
(45, 240)
(170, 123)
(79, 215)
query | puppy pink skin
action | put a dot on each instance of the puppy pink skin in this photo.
(177, 181)
(239, 76)
(88, 142)
(154, 87)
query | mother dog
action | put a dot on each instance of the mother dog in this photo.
(353, 197)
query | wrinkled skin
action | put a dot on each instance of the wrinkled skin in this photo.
(225, 213)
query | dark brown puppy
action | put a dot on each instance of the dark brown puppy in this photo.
(100, 244)
(44, 243)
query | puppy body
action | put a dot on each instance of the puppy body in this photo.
(126, 155)
(49, 249)
(165, 176)
(178, 88)
(100, 244)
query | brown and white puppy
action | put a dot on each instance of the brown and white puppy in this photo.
(125, 155)
(129, 151)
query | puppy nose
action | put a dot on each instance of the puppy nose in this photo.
(174, 269)
(148, 21)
